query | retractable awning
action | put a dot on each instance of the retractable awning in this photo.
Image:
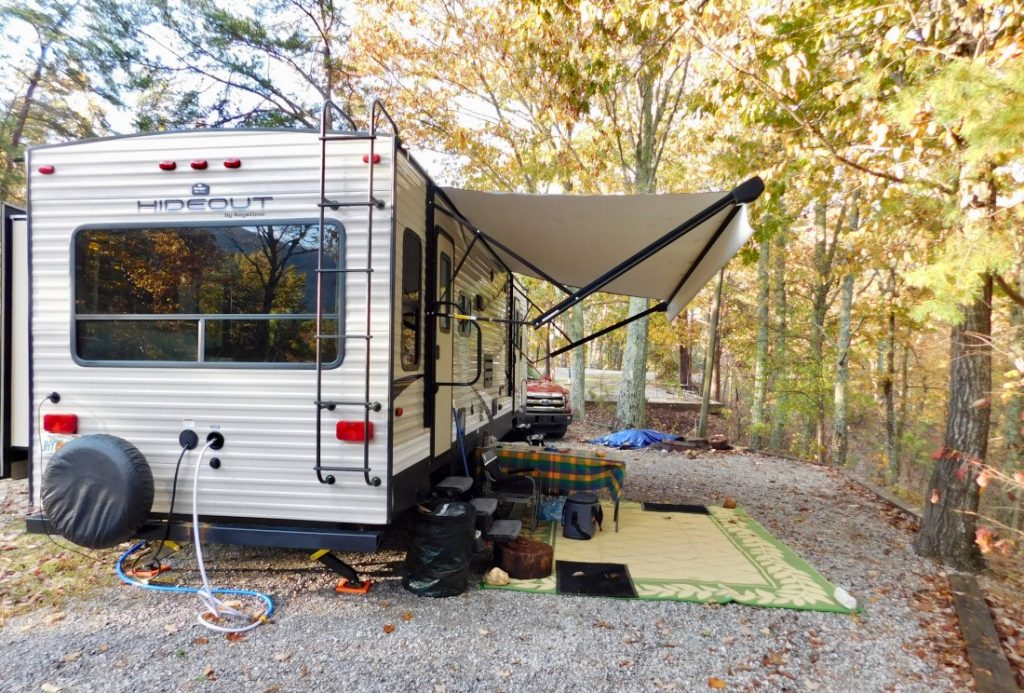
(664, 247)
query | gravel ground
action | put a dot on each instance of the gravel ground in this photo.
(125, 639)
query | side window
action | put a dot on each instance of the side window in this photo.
(412, 299)
(444, 290)
(231, 294)
(464, 327)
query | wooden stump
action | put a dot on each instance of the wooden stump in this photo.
(525, 559)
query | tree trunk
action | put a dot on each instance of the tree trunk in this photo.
(814, 427)
(778, 431)
(578, 370)
(840, 434)
(684, 365)
(948, 525)
(757, 410)
(889, 383)
(901, 417)
(631, 410)
(709, 361)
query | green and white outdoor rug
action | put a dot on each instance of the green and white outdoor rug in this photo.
(722, 557)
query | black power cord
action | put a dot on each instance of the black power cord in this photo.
(188, 441)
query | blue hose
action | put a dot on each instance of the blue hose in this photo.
(187, 590)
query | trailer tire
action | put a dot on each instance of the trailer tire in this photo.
(97, 491)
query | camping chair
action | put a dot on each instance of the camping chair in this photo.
(516, 487)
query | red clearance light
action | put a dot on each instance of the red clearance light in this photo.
(366, 158)
(168, 165)
(399, 411)
(232, 163)
(47, 169)
(354, 431)
(60, 423)
(199, 164)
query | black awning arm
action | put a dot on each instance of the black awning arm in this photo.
(541, 273)
(534, 305)
(657, 308)
(704, 251)
(744, 192)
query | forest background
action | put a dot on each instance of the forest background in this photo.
(876, 320)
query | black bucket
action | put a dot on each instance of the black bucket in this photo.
(437, 564)
(581, 515)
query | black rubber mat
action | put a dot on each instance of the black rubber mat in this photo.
(676, 508)
(594, 579)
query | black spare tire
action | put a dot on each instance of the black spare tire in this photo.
(97, 491)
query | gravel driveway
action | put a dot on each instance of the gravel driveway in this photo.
(125, 639)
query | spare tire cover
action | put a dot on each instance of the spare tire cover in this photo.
(97, 491)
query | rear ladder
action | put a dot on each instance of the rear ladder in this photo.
(377, 112)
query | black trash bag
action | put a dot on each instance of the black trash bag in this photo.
(437, 564)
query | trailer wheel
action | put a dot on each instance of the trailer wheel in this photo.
(97, 491)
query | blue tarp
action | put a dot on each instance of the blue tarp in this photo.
(633, 438)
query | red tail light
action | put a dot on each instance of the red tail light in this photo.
(168, 165)
(354, 431)
(60, 423)
(232, 163)
(46, 169)
(199, 164)
(366, 158)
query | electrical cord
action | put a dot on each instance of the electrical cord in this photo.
(216, 610)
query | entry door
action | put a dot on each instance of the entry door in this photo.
(444, 328)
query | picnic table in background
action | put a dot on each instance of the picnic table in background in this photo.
(566, 470)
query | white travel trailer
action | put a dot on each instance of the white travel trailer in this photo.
(302, 297)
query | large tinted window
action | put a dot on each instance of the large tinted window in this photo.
(412, 298)
(196, 294)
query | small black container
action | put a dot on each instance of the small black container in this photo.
(581, 515)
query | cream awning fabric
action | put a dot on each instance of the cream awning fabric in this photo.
(577, 238)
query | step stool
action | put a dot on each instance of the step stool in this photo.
(485, 509)
(503, 531)
(453, 486)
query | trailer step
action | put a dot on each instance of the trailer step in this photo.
(453, 486)
(503, 531)
(485, 509)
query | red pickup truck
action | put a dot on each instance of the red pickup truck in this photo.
(547, 406)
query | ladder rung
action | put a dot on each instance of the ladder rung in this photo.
(353, 136)
(367, 270)
(334, 204)
(321, 468)
(330, 404)
(344, 336)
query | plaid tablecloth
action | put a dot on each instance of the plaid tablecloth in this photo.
(565, 472)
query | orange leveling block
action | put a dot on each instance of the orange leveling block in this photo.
(349, 582)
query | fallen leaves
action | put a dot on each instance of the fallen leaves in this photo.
(389, 628)
(50, 619)
(208, 673)
(407, 616)
(282, 656)
(715, 682)
(235, 637)
(70, 657)
(201, 640)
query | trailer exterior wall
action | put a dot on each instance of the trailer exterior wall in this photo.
(265, 413)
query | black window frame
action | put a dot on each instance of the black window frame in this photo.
(333, 322)
(418, 331)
